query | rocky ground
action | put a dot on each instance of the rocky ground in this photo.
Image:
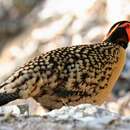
(31, 27)
(81, 117)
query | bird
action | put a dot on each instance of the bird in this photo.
(71, 75)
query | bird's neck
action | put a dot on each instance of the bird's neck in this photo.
(122, 43)
(118, 37)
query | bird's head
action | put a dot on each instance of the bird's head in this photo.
(119, 33)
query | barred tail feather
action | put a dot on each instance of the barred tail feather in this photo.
(7, 97)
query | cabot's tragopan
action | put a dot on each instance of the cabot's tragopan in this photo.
(71, 75)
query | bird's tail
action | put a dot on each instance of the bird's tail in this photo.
(19, 85)
(6, 95)
(9, 90)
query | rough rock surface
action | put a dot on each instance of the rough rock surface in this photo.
(80, 117)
